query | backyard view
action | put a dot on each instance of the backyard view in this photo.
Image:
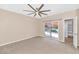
(51, 29)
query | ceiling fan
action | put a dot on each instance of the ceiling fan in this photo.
(37, 11)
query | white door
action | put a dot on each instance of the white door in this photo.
(75, 32)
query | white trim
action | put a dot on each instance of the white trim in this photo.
(58, 30)
(17, 40)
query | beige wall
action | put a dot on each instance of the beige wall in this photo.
(16, 27)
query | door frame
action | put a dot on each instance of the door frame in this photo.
(73, 18)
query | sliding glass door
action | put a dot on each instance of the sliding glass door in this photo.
(51, 29)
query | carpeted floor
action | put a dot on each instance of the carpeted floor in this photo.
(38, 45)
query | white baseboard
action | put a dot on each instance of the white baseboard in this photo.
(18, 40)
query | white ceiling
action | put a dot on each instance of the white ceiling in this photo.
(55, 8)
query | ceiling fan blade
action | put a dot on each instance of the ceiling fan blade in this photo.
(31, 7)
(39, 14)
(30, 13)
(35, 14)
(28, 10)
(45, 11)
(40, 7)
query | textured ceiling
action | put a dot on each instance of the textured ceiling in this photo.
(55, 8)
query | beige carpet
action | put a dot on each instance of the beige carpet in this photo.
(38, 45)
